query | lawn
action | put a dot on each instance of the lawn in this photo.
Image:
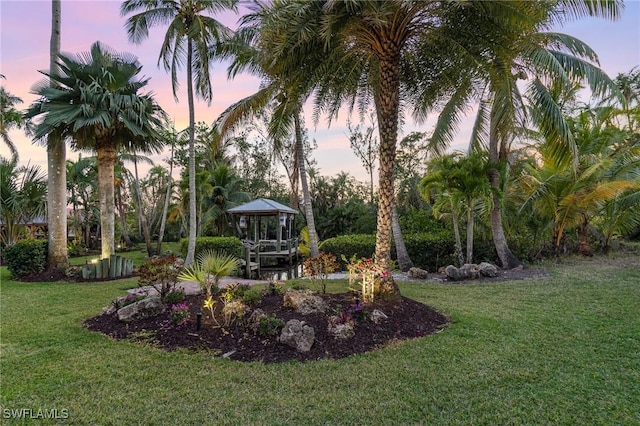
(558, 350)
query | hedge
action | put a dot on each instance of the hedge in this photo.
(229, 245)
(26, 257)
(427, 251)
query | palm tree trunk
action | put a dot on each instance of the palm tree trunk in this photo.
(165, 208)
(470, 223)
(106, 162)
(123, 217)
(404, 261)
(142, 218)
(191, 247)
(456, 233)
(308, 208)
(56, 167)
(507, 258)
(387, 108)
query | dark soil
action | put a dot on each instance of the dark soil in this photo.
(407, 319)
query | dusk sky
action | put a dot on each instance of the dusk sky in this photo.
(24, 49)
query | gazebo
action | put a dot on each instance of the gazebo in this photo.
(268, 233)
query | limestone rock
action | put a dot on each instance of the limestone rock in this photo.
(377, 316)
(488, 270)
(342, 331)
(473, 269)
(304, 301)
(298, 335)
(145, 308)
(418, 273)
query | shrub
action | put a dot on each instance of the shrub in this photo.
(227, 245)
(161, 273)
(319, 267)
(175, 296)
(179, 314)
(26, 257)
(269, 326)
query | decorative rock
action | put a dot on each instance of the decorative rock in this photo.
(377, 316)
(457, 274)
(488, 270)
(418, 273)
(304, 301)
(342, 331)
(145, 308)
(473, 269)
(298, 335)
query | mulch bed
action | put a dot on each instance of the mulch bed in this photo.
(407, 319)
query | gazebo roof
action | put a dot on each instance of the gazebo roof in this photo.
(262, 207)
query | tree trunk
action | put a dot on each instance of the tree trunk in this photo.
(165, 208)
(507, 258)
(583, 237)
(58, 255)
(142, 218)
(123, 217)
(387, 107)
(106, 162)
(191, 247)
(308, 208)
(404, 261)
(294, 176)
(470, 223)
(456, 233)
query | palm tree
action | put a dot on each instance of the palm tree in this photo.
(225, 193)
(252, 50)
(96, 104)
(22, 196)
(523, 52)
(9, 118)
(58, 255)
(190, 32)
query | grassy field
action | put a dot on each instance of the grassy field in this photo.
(561, 350)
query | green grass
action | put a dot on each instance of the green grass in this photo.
(558, 350)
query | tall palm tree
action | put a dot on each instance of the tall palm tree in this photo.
(190, 33)
(251, 50)
(525, 51)
(58, 256)
(96, 104)
(225, 193)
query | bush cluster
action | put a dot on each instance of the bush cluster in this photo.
(228, 245)
(26, 257)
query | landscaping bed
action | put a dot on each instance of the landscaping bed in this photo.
(242, 341)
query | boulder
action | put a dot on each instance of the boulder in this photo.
(457, 274)
(298, 335)
(342, 331)
(418, 273)
(473, 269)
(377, 316)
(304, 301)
(488, 270)
(145, 308)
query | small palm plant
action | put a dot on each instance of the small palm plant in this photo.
(209, 267)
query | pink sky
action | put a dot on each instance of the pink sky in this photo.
(24, 49)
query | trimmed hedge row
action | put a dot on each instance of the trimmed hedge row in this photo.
(26, 257)
(229, 245)
(427, 251)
